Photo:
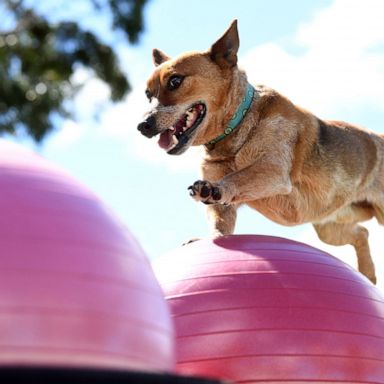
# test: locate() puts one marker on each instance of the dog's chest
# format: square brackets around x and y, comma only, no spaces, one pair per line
[280,209]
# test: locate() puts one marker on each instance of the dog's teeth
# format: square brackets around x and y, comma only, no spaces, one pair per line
[175,140]
[190,118]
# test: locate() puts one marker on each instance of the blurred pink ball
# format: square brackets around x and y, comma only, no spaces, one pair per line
[76,288]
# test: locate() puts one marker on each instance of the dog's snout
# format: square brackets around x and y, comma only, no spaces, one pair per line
[148,127]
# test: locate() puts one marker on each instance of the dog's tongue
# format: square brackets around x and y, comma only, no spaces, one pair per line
[165,139]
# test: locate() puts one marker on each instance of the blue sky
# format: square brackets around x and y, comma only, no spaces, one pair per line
[326,55]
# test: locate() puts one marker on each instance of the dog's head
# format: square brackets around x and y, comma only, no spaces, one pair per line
[189,92]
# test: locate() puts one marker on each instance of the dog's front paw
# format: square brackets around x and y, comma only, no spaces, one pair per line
[205,192]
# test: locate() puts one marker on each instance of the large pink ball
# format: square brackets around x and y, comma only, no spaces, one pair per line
[258,309]
[76,289]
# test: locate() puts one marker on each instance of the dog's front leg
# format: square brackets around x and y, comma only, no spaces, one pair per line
[252,183]
[222,219]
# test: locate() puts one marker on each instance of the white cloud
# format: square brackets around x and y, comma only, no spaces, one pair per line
[357,24]
[69,133]
[340,65]
[91,99]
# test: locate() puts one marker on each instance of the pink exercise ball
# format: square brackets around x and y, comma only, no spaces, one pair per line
[259,309]
[76,289]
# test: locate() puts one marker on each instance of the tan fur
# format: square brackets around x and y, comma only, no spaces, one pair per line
[281,160]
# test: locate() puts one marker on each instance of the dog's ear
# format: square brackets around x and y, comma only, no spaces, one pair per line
[224,51]
[159,57]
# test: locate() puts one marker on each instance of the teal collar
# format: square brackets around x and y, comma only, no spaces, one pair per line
[237,117]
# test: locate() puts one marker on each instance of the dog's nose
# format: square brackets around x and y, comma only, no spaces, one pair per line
[144,126]
[148,127]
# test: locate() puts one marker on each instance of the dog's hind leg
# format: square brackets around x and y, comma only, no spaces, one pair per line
[379,213]
[353,234]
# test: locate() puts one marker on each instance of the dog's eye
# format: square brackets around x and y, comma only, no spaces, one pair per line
[174,82]
[148,94]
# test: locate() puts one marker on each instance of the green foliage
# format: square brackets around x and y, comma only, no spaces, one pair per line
[38,58]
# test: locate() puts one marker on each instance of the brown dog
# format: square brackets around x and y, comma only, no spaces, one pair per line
[274,156]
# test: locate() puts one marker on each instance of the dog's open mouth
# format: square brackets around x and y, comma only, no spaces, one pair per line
[177,136]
